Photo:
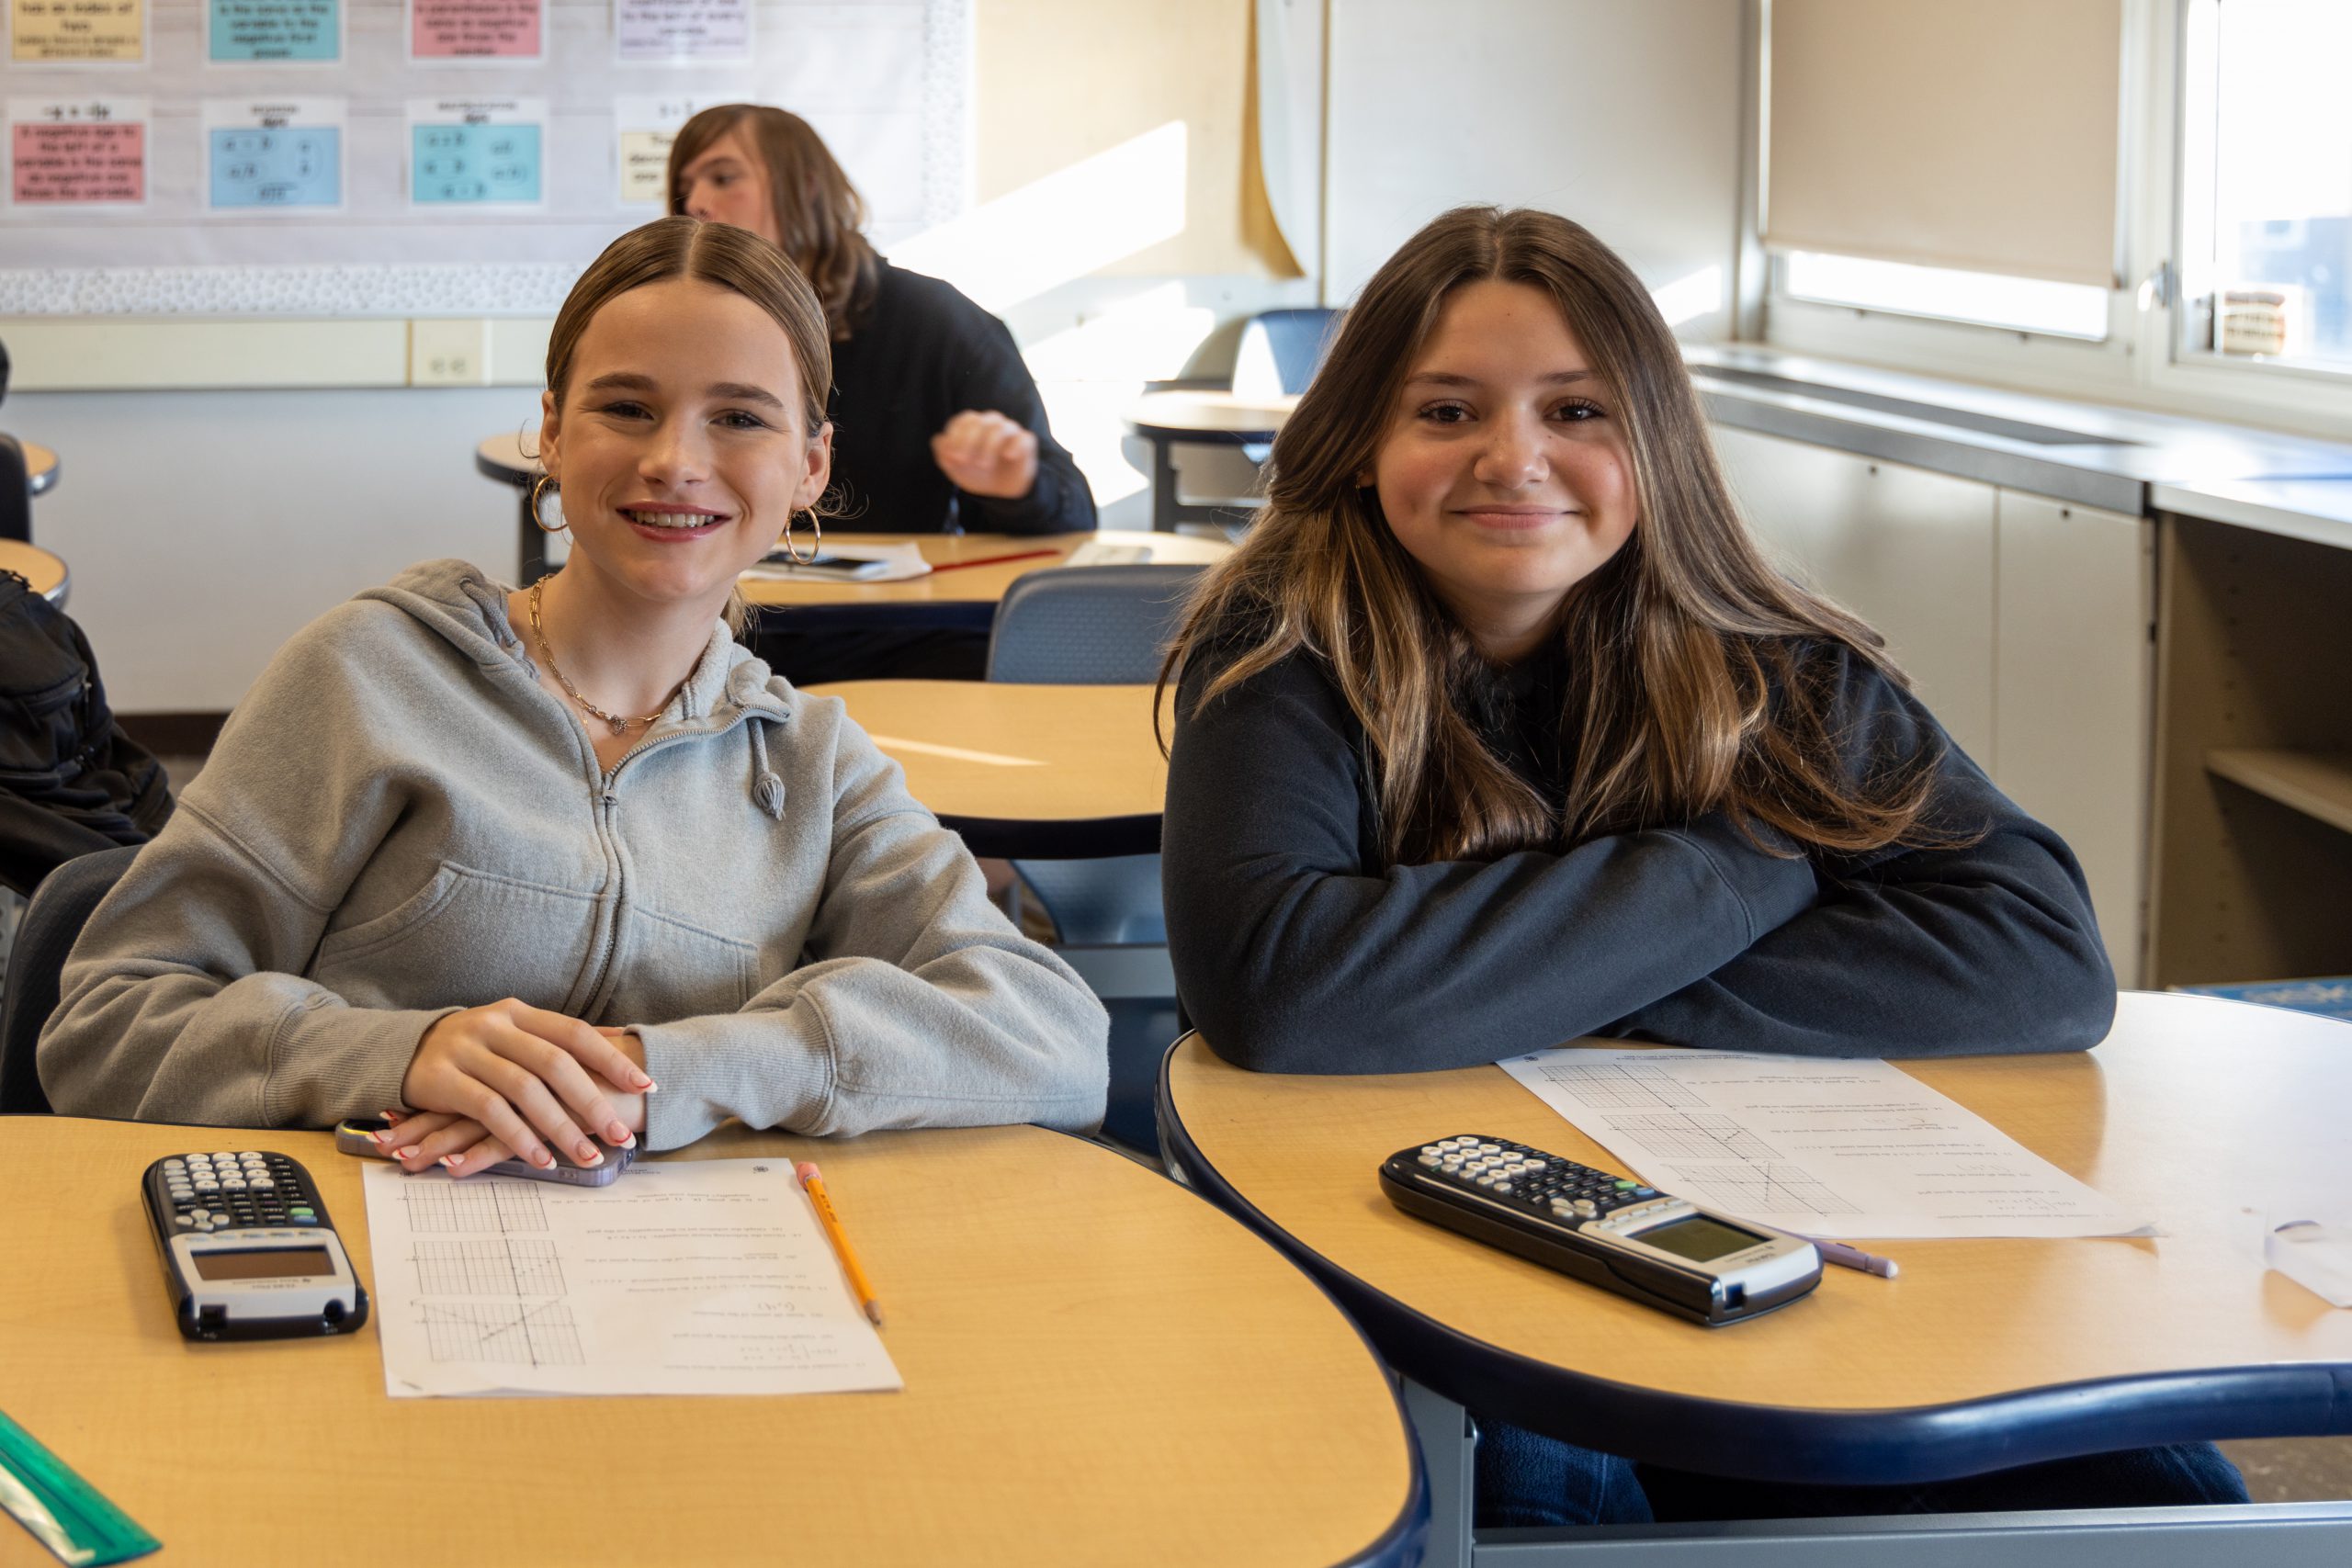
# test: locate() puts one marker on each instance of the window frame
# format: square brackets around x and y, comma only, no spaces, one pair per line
[2142,361]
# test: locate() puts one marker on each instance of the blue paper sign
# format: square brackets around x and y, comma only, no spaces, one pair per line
[462,165]
[293,167]
[244,30]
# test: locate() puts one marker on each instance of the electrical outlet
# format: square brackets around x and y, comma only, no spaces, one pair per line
[449,352]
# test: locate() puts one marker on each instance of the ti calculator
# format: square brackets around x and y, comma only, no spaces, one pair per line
[248,1250]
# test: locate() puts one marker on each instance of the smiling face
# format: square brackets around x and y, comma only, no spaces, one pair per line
[680,447]
[728,182]
[1504,470]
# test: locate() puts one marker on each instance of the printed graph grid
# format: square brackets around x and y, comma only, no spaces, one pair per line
[541,1336]
[502,1206]
[1695,1137]
[488,1269]
[1764,1188]
[1618,1087]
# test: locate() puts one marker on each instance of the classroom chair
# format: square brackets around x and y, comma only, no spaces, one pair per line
[44,936]
[1281,350]
[1103,625]
[1217,482]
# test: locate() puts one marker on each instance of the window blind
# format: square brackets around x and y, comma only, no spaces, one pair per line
[1982,135]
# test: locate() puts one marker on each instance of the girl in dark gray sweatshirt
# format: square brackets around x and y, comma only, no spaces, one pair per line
[1497,730]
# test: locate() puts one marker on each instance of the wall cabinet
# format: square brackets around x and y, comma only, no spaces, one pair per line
[2024,622]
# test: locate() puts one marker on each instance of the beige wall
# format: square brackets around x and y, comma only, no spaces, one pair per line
[1063,80]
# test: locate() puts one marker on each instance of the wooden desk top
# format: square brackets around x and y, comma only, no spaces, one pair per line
[1210,415]
[1098,1367]
[2198,1111]
[984,585]
[45,572]
[993,755]
[502,457]
[41,468]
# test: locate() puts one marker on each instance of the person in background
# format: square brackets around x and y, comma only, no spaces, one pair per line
[505,858]
[1499,731]
[937,425]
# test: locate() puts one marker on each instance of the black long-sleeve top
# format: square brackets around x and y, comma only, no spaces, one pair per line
[921,356]
[1297,950]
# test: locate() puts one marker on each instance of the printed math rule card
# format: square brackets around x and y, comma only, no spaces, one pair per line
[495,32]
[87,154]
[475,153]
[77,32]
[281,156]
[273,32]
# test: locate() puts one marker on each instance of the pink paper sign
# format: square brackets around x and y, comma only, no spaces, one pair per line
[474,29]
[85,163]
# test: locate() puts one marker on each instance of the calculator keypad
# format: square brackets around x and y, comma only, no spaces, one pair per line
[235,1191]
[1544,1183]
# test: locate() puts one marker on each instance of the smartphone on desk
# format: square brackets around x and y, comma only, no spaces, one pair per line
[353,1136]
[849,569]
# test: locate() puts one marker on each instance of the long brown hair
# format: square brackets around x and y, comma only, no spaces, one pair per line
[1688,690]
[819,214]
[710,252]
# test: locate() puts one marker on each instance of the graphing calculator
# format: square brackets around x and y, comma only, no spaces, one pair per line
[1607,1229]
[248,1250]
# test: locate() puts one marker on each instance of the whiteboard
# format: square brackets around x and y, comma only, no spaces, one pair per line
[311,187]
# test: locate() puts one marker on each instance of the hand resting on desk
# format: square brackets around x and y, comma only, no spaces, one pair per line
[486,1077]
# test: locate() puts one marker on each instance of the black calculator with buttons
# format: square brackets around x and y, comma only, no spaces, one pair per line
[1607,1229]
[248,1250]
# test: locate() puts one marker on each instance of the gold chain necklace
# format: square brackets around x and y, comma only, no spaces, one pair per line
[620,725]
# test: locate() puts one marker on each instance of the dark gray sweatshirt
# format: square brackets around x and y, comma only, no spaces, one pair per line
[1297,950]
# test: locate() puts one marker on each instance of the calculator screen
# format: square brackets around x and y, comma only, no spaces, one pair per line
[265,1263]
[1699,1239]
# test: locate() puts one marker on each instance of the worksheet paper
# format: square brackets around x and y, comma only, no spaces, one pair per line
[680,1277]
[1828,1148]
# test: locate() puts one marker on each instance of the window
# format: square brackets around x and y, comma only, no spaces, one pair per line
[2026,304]
[2267,182]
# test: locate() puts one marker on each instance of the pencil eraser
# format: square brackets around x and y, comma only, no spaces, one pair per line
[807,1170]
[2315,1254]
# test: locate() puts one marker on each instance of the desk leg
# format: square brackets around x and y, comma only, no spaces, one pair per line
[1449,1454]
[1166,509]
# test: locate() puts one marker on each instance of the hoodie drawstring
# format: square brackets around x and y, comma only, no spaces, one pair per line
[767,789]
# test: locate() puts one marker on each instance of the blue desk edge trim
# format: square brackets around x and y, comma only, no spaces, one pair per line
[1775,1443]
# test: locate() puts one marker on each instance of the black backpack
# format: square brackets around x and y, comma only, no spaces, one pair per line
[71,781]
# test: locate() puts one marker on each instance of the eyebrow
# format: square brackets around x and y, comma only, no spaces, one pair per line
[741,392]
[1447,379]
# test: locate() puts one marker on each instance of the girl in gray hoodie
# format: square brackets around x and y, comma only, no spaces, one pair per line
[509,859]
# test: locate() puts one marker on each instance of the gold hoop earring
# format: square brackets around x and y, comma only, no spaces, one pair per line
[538,495]
[816,526]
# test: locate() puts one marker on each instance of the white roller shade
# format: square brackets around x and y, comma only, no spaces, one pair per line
[1980,135]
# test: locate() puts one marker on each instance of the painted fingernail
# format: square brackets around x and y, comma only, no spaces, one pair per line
[644,1083]
[408,1152]
[588,1155]
[453,1161]
[541,1158]
[394,1117]
[615,1132]
[378,1139]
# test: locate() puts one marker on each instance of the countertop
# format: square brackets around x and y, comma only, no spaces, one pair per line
[2126,460]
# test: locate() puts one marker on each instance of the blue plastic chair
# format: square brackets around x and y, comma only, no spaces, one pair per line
[1103,625]
[51,921]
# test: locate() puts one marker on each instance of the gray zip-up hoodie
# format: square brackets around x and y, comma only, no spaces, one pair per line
[399,821]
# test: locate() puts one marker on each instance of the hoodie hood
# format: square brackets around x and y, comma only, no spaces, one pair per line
[467,608]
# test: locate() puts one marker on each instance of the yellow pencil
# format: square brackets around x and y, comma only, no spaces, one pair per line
[858,1283]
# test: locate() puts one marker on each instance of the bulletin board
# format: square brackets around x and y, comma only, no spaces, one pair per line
[424,157]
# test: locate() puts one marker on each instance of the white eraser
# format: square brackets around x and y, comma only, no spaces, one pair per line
[2314,1253]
